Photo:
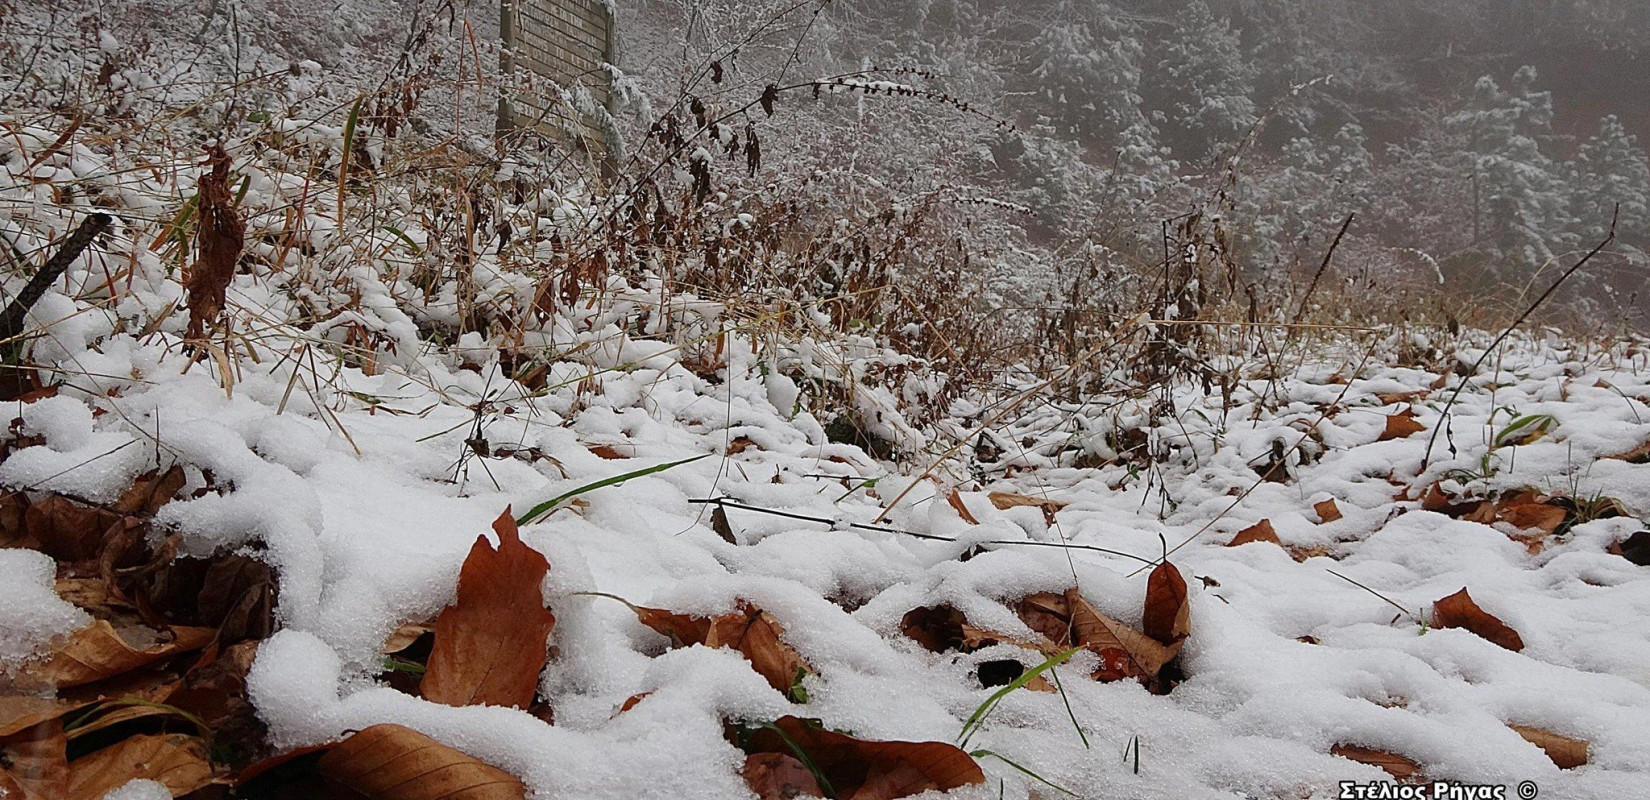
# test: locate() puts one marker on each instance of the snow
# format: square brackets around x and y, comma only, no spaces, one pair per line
[341,450]
[35,615]
[368,530]
[140,790]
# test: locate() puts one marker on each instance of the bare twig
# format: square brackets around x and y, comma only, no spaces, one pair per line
[1615,216]
[11,320]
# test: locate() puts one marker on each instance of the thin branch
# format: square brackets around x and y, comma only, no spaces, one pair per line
[1615,216]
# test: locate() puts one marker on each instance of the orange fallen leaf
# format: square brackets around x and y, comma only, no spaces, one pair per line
[101,650]
[861,769]
[178,761]
[1259,532]
[752,632]
[1401,769]
[1327,511]
[1401,425]
[1533,516]
[956,501]
[1168,610]
[490,645]
[740,445]
[606,451]
[391,762]
[1459,611]
[1565,752]
[777,776]
[1008,500]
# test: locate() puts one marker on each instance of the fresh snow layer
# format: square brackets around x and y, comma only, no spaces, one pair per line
[368,531]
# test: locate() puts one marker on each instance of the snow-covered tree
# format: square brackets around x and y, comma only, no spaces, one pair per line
[1610,169]
[1200,87]
[1521,200]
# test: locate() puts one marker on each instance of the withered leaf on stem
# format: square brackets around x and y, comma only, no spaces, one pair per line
[490,645]
[859,769]
[219,236]
[1459,611]
[391,762]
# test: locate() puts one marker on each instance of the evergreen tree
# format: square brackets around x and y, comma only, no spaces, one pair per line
[1521,202]
[1610,169]
[1200,86]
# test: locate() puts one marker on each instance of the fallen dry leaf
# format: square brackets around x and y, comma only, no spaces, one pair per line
[1401,425]
[1635,548]
[1327,511]
[1401,769]
[607,451]
[1069,620]
[1533,516]
[151,491]
[777,776]
[490,645]
[1394,398]
[956,501]
[1124,652]
[1168,610]
[859,769]
[100,650]
[1007,500]
[1565,752]
[1459,611]
[1259,532]
[178,761]
[35,760]
[391,762]
[752,632]
[1434,498]
[941,628]
[740,445]
[1637,455]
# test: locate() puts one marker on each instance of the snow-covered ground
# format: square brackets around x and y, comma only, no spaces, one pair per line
[350,486]
[344,451]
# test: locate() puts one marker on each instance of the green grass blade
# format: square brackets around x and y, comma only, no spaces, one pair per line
[550,505]
[1040,779]
[978,717]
